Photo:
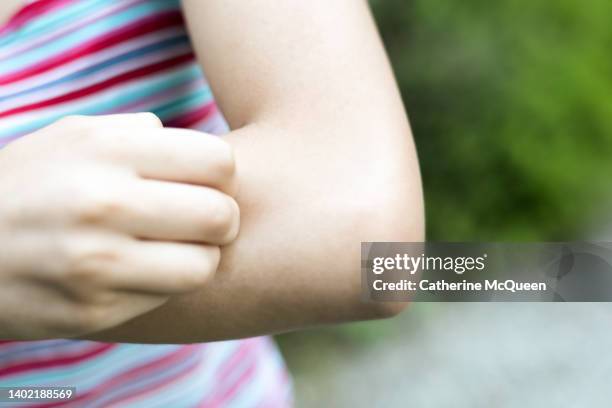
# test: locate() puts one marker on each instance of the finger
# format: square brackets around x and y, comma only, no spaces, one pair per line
[106,311]
[170,154]
[67,315]
[127,305]
[167,211]
[164,267]
[118,122]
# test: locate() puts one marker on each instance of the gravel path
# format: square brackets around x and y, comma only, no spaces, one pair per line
[493,355]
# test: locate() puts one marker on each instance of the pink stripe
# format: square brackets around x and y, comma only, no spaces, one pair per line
[70,29]
[142,393]
[230,365]
[125,377]
[139,106]
[136,29]
[56,361]
[31,11]
[231,391]
[99,87]
[247,349]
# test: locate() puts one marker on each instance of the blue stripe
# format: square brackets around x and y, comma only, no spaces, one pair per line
[91,373]
[91,31]
[185,393]
[28,347]
[19,346]
[88,374]
[252,392]
[215,354]
[266,379]
[143,382]
[170,110]
[144,90]
[62,17]
[156,47]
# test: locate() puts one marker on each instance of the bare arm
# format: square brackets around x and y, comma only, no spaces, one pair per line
[324,158]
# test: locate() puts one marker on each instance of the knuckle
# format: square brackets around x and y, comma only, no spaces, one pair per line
[223,219]
[195,279]
[89,318]
[100,140]
[87,263]
[224,163]
[78,319]
[212,258]
[104,298]
[204,269]
[63,326]
[83,274]
[234,226]
[96,207]
[96,136]
[150,119]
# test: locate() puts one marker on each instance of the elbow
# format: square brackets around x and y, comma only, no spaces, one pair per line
[390,197]
[395,223]
[392,212]
[386,310]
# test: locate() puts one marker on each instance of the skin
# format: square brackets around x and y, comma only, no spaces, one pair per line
[324,159]
[112,230]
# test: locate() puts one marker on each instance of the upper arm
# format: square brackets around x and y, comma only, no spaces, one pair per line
[294,61]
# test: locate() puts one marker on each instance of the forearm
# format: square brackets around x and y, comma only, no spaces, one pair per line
[325,160]
[296,262]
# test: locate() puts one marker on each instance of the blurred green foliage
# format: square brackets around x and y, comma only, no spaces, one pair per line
[511,108]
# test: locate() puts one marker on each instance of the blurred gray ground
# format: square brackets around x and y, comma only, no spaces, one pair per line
[461,355]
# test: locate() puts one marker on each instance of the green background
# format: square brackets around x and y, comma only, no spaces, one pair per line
[511,109]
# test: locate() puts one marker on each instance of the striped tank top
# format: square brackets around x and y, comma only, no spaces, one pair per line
[98,57]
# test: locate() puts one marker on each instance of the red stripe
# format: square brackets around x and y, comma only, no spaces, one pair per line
[230,392]
[228,368]
[125,377]
[80,93]
[247,350]
[55,361]
[138,28]
[150,388]
[30,11]
[190,118]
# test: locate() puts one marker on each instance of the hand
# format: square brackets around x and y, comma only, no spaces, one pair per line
[103,218]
